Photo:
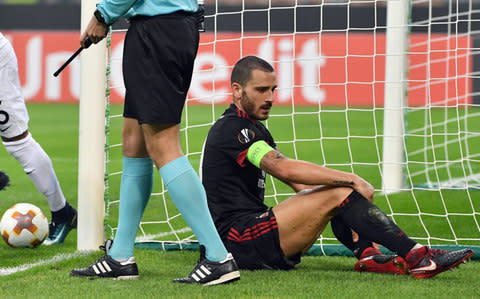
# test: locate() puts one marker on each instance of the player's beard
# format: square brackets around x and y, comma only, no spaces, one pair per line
[250,108]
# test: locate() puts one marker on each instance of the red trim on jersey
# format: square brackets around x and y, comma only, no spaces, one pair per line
[242,114]
[242,156]
[253,232]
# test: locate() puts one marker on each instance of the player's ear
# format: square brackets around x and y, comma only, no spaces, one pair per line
[236,90]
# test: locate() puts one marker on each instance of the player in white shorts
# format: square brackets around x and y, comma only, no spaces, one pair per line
[20,144]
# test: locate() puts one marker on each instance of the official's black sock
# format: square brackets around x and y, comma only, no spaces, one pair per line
[372,224]
[343,234]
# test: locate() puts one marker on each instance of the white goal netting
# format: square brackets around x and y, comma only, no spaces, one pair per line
[330,58]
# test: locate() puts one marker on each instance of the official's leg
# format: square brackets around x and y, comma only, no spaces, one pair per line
[162,142]
[184,186]
[303,217]
[135,189]
[156,89]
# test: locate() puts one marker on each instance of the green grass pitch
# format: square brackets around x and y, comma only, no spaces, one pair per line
[44,272]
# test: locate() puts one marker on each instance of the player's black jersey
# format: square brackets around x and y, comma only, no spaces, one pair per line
[234,186]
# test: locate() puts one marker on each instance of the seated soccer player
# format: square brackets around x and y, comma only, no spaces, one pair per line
[239,151]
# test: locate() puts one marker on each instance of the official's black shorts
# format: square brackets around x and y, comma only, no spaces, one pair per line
[255,244]
[158,61]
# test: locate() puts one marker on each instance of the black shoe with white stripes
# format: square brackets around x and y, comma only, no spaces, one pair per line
[106,267]
[211,273]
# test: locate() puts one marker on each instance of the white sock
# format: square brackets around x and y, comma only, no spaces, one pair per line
[39,168]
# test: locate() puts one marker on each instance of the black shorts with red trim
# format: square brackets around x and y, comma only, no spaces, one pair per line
[254,242]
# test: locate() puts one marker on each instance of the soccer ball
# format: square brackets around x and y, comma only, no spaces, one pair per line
[24,225]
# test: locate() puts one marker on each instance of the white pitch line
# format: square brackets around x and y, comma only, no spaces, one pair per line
[163,234]
[12,270]
[57,258]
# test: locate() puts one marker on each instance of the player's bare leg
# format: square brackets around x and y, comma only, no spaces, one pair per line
[371,223]
[303,217]
[370,259]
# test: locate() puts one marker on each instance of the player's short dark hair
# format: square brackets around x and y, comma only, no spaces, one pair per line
[242,71]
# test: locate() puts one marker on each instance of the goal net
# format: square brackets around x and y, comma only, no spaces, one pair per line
[394,99]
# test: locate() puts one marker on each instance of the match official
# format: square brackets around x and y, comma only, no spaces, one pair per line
[159,51]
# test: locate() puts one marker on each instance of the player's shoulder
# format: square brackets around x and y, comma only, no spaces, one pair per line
[232,119]
[227,126]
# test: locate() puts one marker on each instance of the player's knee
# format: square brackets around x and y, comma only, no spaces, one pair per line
[341,193]
[330,198]
[29,154]
[14,147]
[133,146]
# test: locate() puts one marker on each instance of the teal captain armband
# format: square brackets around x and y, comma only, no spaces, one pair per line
[256,152]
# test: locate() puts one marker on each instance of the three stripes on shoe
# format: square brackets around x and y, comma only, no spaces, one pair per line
[101,267]
[200,273]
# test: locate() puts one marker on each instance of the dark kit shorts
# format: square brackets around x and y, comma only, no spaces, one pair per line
[254,242]
[158,58]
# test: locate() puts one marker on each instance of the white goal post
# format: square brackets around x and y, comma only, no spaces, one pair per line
[91,161]
[395,96]
[388,89]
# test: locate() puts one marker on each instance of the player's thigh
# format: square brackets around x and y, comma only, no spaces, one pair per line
[302,217]
[13,112]
[307,204]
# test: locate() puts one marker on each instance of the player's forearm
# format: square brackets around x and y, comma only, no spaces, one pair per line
[298,187]
[306,173]
[297,172]
[302,172]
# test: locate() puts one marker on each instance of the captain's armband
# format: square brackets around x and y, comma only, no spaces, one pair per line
[257,151]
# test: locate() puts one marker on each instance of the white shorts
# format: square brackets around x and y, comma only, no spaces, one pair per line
[13,112]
